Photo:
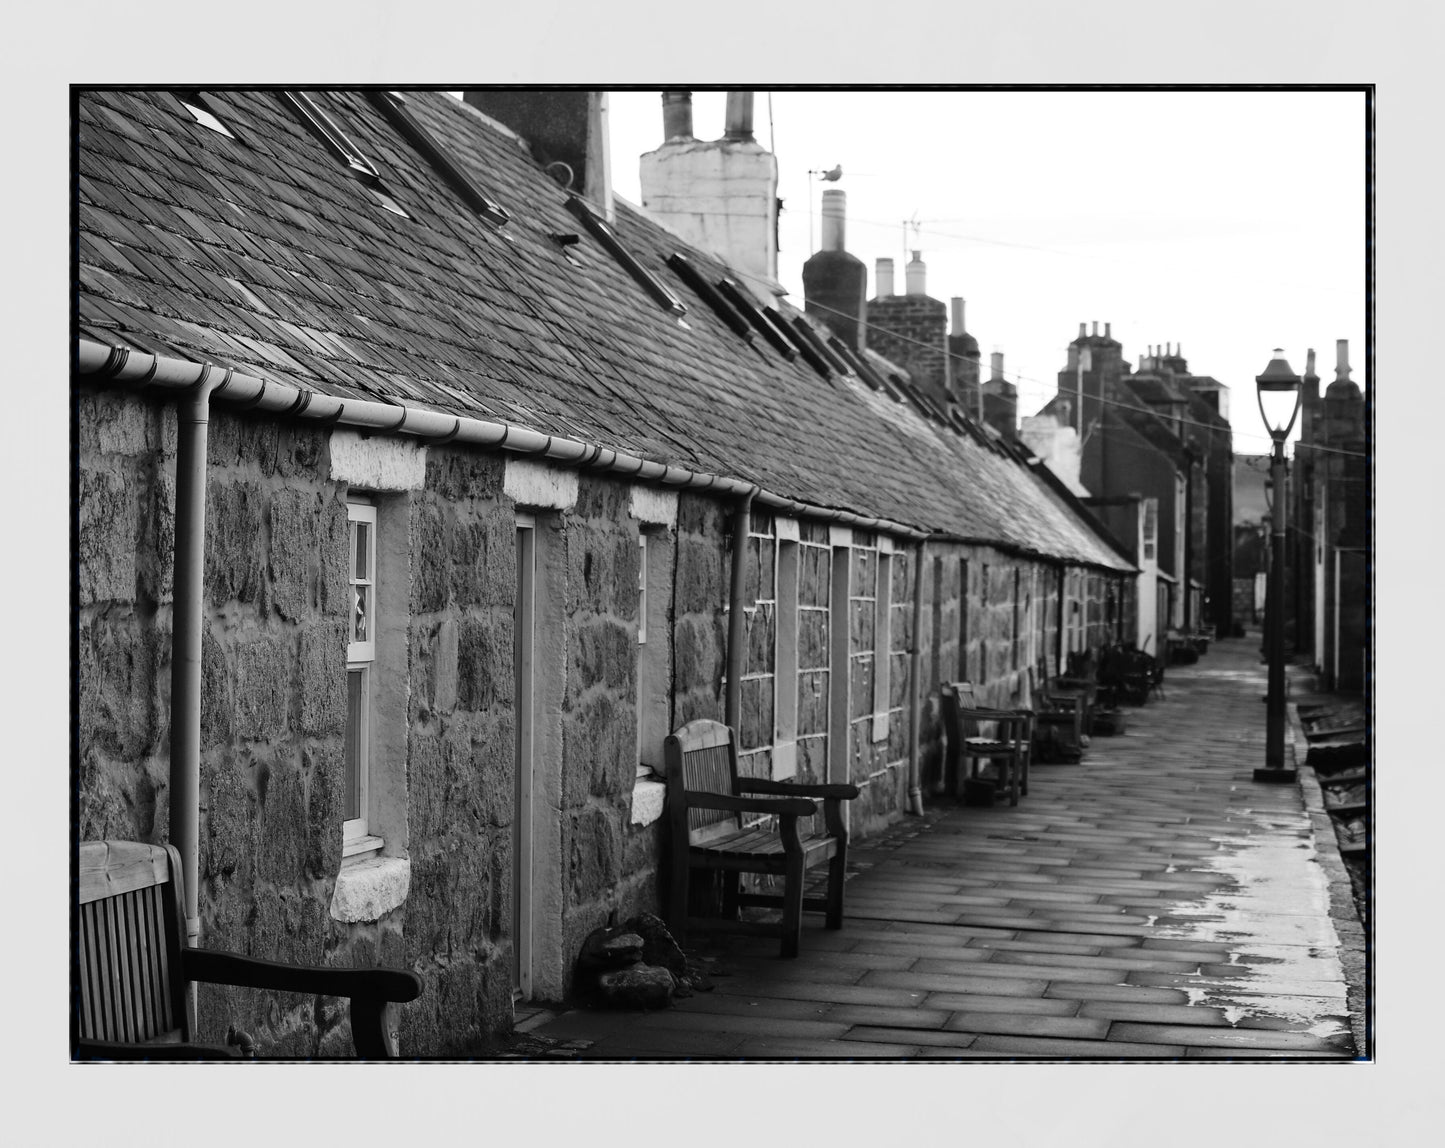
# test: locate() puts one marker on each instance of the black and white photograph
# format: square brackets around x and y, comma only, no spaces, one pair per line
[639,589]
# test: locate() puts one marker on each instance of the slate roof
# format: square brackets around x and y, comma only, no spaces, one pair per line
[267,256]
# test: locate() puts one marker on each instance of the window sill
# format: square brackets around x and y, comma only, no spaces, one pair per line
[361,847]
[367,888]
[648,797]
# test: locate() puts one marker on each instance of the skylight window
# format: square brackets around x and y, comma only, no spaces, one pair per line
[693,278]
[339,144]
[203,113]
[333,137]
[769,330]
[602,231]
[392,105]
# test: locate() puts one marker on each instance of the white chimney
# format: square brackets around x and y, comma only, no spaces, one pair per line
[1096,327]
[883,278]
[996,366]
[834,203]
[1342,360]
[721,195]
[1108,330]
[957,317]
[913,275]
[1309,362]
[1083,330]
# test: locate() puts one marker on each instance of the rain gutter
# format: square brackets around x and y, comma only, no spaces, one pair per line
[192,423]
[247,392]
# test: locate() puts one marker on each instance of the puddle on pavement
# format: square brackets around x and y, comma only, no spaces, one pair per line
[1272,910]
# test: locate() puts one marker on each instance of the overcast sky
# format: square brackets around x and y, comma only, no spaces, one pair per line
[1228,222]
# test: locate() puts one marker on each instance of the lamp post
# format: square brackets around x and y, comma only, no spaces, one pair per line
[1279,395]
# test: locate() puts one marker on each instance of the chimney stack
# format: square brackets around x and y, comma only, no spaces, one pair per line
[883,278]
[561,127]
[996,367]
[956,318]
[913,275]
[834,203]
[835,284]
[720,195]
[739,116]
[677,115]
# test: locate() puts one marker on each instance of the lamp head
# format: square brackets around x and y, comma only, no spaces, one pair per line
[1278,389]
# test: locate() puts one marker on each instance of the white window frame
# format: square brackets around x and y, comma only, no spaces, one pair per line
[356,837]
[882,636]
[642,588]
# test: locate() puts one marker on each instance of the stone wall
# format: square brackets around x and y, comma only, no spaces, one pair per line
[272,708]
[460,755]
[274,701]
[609,865]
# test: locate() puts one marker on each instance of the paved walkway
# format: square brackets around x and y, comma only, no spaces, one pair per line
[1152,901]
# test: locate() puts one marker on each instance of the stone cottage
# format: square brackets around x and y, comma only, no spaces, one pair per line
[422,487]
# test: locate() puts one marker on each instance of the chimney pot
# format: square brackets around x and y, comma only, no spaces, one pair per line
[957,316]
[914,274]
[1096,327]
[1310,362]
[1342,360]
[883,278]
[1083,330]
[740,116]
[1108,330]
[677,116]
[996,366]
[834,213]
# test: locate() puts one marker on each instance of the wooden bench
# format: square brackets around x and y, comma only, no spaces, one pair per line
[131,973]
[707,805]
[1058,720]
[1001,739]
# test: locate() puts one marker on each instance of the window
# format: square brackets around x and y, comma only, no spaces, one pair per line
[339,144]
[641,589]
[1151,529]
[785,657]
[360,663]
[882,638]
[393,106]
[602,231]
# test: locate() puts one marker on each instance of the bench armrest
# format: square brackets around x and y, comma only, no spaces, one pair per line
[835,791]
[787,806]
[370,990]
[218,967]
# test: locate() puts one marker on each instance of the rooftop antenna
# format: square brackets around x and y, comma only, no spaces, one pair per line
[832,175]
[917,226]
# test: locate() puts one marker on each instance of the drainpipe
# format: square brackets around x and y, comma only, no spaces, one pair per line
[737,655]
[192,419]
[915,694]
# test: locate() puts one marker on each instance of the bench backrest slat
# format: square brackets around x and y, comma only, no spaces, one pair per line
[700,758]
[128,943]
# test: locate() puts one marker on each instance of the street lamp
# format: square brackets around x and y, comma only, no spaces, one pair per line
[1279,396]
